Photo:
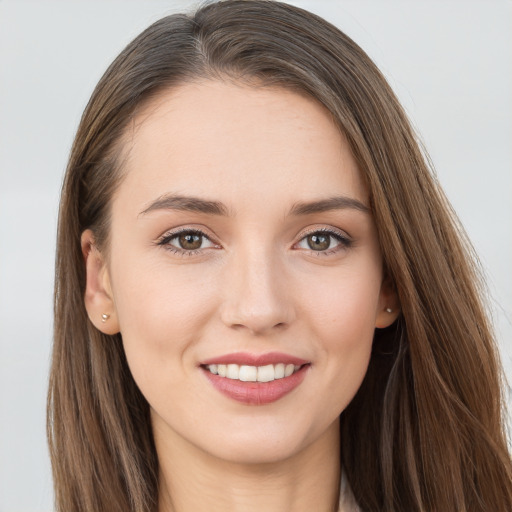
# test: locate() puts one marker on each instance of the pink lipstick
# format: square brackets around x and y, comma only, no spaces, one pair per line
[255,379]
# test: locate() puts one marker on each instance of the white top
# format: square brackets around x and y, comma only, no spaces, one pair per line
[347,500]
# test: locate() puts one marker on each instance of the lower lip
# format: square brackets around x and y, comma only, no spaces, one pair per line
[257,393]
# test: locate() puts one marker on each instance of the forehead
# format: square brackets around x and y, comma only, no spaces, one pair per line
[227,141]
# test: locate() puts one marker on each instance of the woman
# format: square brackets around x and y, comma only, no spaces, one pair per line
[261,291]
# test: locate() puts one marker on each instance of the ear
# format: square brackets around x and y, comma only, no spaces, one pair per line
[389,305]
[99,301]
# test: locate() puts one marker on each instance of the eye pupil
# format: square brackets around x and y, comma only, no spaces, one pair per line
[319,242]
[190,241]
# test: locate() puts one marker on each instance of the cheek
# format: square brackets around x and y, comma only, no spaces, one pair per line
[344,303]
[161,314]
[342,314]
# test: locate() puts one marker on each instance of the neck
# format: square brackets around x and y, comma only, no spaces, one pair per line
[191,479]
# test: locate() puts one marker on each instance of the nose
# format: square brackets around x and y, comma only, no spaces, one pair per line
[256,294]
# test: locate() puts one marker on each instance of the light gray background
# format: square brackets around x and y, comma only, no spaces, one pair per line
[449,61]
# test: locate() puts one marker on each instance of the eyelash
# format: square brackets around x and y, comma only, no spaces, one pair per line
[342,239]
[167,238]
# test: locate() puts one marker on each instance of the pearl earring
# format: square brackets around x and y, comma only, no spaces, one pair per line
[104,317]
[389,310]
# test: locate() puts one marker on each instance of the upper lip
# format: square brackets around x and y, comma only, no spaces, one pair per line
[247,359]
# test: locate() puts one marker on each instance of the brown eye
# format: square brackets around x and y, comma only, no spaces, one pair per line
[187,242]
[318,242]
[190,241]
[325,242]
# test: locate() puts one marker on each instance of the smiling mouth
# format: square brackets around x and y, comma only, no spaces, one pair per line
[255,379]
[246,373]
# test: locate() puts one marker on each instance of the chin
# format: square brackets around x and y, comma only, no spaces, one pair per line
[273,444]
[255,452]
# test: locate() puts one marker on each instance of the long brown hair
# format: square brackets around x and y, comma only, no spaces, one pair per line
[425,431]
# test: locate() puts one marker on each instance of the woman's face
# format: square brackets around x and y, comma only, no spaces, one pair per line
[242,250]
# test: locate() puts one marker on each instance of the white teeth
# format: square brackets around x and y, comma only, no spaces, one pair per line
[266,373]
[279,371]
[247,373]
[232,371]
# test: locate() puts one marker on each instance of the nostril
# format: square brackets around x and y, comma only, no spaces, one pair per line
[256,309]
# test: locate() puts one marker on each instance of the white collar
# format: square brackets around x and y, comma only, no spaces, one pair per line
[347,500]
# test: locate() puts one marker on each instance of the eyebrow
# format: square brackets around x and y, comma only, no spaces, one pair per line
[332,203]
[186,203]
[195,204]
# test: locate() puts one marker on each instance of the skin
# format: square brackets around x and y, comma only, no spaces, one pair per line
[253,285]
